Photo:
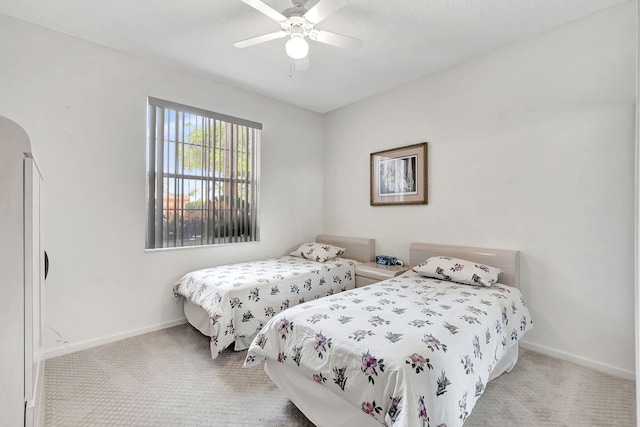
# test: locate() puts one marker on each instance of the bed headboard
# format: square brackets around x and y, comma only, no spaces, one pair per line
[359,248]
[505,259]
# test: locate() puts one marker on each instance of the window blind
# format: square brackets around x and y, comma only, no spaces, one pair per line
[203,177]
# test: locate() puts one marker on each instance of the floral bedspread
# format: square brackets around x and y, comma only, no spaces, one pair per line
[409,351]
[240,298]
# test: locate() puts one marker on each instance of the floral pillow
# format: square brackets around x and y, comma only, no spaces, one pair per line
[318,251]
[458,270]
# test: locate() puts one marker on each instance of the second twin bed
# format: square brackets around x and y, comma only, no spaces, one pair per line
[414,350]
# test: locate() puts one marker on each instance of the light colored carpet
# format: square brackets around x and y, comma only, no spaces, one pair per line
[167,378]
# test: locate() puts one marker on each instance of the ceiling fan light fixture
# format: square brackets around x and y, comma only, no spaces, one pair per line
[297,47]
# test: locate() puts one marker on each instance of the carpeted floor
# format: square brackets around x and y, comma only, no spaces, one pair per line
[167,378]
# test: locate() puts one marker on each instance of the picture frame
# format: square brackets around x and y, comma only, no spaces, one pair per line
[399,176]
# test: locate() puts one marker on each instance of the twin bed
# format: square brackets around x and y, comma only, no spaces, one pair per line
[408,351]
[414,350]
[230,303]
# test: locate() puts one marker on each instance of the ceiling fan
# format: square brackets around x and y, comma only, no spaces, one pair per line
[297,23]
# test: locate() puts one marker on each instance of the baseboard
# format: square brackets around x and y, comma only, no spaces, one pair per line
[72,348]
[607,369]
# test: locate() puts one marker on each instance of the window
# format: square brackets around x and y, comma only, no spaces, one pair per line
[202,177]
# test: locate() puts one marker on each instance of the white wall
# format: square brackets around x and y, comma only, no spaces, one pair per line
[84,108]
[530,148]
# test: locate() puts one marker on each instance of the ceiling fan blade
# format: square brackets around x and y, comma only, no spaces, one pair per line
[260,39]
[266,9]
[322,9]
[302,64]
[335,39]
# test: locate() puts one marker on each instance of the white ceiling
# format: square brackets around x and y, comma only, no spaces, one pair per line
[403,39]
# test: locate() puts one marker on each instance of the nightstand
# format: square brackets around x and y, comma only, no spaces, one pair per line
[370,272]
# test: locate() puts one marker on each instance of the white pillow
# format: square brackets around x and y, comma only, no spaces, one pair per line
[458,270]
[318,251]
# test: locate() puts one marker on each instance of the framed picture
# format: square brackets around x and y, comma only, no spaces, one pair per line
[399,176]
